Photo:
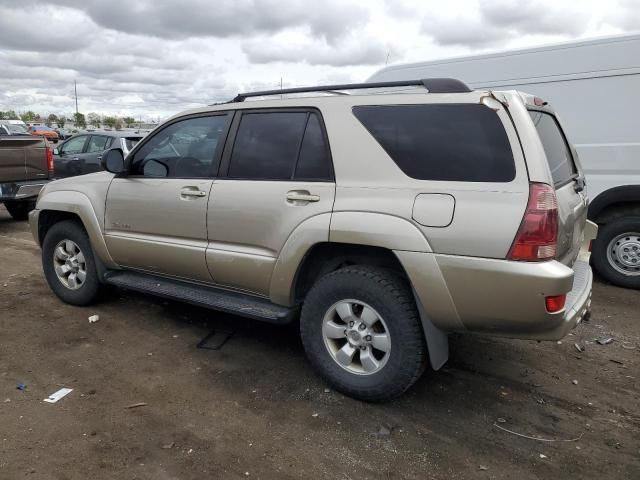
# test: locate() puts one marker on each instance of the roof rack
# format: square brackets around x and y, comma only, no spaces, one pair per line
[433,85]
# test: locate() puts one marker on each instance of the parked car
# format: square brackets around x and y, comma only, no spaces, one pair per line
[384,220]
[12,128]
[44,131]
[83,152]
[63,134]
[594,84]
[26,164]
[14,122]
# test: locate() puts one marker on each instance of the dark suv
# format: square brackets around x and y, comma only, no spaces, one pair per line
[82,153]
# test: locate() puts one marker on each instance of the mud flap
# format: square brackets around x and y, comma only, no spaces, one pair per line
[437,340]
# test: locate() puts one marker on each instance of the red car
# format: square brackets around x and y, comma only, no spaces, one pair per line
[46,132]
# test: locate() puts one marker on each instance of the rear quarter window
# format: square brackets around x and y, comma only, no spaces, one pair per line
[447,142]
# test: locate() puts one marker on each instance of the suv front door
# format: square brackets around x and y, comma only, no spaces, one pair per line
[276,173]
[156,215]
[69,156]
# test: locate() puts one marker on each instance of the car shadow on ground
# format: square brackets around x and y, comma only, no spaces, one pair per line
[485,363]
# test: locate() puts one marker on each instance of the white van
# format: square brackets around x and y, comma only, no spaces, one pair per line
[594,85]
[16,122]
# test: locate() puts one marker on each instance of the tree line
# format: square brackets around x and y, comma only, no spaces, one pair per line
[79,120]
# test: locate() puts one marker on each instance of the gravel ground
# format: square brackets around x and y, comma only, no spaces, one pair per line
[255,409]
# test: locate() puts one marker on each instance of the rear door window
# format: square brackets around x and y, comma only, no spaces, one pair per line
[281,146]
[313,162]
[98,143]
[447,142]
[555,147]
[266,145]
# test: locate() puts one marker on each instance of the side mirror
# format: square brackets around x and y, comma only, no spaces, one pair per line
[113,161]
[56,151]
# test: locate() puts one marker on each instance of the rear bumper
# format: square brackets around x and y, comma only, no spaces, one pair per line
[578,303]
[501,297]
[20,190]
[505,298]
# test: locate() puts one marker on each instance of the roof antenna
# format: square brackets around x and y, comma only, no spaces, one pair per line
[280,87]
[386,62]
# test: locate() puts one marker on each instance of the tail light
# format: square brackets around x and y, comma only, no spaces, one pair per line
[49,160]
[537,238]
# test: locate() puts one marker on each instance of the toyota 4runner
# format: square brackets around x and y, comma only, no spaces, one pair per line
[383,216]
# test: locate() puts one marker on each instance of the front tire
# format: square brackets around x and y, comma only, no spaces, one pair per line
[69,265]
[361,331]
[19,210]
[616,252]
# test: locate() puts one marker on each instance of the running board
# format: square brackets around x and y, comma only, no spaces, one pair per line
[207,297]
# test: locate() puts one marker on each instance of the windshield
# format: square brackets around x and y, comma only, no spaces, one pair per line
[131,142]
[16,128]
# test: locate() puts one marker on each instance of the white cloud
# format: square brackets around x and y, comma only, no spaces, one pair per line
[354,50]
[156,57]
[492,23]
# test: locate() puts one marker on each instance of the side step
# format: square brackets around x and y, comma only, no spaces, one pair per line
[208,297]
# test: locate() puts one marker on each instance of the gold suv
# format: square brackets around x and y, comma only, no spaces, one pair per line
[382,216]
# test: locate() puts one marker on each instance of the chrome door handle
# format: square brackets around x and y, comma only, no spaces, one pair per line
[302,196]
[190,192]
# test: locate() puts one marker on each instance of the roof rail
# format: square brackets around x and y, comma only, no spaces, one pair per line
[433,85]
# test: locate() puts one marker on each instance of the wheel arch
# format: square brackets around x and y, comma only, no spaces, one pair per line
[326,257]
[64,205]
[372,233]
[615,202]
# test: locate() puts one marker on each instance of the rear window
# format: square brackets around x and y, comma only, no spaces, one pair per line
[453,142]
[555,147]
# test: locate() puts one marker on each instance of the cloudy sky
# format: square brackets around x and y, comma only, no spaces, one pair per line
[152,58]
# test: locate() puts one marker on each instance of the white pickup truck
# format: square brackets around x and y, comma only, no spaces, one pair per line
[594,85]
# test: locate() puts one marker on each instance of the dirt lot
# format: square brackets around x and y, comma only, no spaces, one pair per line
[255,409]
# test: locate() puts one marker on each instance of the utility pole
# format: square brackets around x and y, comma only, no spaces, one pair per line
[75,89]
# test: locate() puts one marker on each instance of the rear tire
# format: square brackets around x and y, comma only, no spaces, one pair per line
[611,260]
[335,319]
[19,209]
[69,265]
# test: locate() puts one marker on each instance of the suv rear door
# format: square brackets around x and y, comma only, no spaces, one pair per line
[90,160]
[276,173]
[568,182]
